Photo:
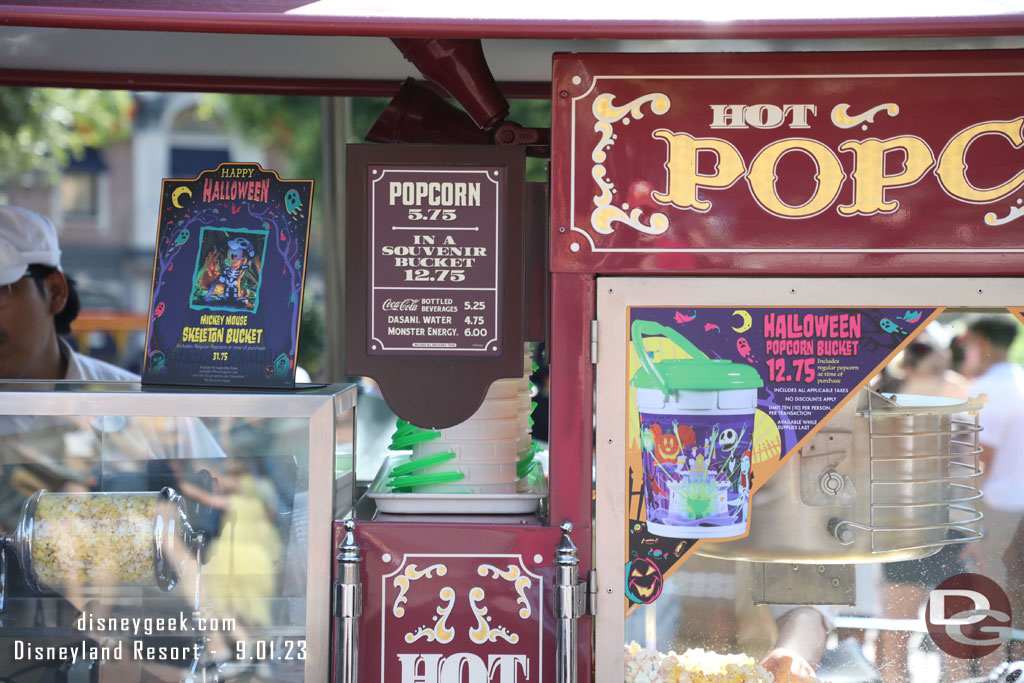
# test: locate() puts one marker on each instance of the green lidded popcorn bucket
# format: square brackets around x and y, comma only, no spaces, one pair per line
[696,431]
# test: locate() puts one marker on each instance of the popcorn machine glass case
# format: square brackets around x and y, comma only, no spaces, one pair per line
[770,443]
[154,535]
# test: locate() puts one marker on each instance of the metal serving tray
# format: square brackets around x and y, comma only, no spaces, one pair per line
[450,503]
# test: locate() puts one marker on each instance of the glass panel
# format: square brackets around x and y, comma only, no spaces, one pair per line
[848,543]
[161,541]
[344,463]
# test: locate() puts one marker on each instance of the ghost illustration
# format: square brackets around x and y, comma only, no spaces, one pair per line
[292,202]
[891,327]
[159,310]
[182,237]
[745,351]
[281,365]
[157,362]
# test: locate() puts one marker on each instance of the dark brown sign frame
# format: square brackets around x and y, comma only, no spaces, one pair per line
[443,385]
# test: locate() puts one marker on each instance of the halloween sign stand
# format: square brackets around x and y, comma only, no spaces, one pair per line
[228,279]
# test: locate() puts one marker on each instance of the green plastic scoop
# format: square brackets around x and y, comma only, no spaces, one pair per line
[410,480]
[421,463]
[401,443]
[402,427]
[524,463]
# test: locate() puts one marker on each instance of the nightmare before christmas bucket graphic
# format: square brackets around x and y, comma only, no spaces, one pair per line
[696,430]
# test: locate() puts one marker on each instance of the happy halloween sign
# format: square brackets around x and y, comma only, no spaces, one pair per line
[228,279]
[703,158]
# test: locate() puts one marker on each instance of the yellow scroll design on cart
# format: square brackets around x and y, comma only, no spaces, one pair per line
[403,582]
[605,213]
[439,631]
[483,632]
[513,575]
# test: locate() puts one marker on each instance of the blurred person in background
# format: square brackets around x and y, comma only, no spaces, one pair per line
[922,369]
[986,359]
[38,303]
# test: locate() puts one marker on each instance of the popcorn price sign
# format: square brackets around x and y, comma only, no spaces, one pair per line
[435,289]
[434,260]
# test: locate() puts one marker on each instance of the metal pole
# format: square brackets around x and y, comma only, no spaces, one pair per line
[569,597]
[334,124]
[347,607]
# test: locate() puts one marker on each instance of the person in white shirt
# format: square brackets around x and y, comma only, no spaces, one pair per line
[1002,420]
[986,358]
[38,303]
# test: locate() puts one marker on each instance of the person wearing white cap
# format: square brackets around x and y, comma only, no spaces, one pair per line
[37,305]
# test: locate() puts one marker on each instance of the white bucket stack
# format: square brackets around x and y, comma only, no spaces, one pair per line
[489,445]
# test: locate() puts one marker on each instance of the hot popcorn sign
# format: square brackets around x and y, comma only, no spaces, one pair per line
[455,618]
[684,154]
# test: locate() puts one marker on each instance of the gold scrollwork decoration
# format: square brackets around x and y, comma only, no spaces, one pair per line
[607,114]
[439,632]
[483,633]
[519,581]
[404,581]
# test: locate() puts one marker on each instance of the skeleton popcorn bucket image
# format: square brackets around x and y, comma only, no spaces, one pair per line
[696,420]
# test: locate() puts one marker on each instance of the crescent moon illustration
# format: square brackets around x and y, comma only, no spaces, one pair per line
[747,321]
[178,191]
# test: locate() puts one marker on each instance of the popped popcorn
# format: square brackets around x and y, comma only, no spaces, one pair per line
[91,539]
[693,666]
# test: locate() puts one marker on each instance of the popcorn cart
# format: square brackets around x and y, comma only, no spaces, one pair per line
[744,232]
[752,467]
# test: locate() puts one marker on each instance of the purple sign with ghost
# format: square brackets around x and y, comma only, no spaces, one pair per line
[228,279]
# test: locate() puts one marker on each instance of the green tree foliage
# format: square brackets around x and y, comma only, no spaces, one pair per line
[287,123]
[532,114]
[42,129]
[364,113]
[292,124]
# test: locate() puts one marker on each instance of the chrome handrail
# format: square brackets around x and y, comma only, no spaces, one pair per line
[570,598]
[951,479]
[347,607]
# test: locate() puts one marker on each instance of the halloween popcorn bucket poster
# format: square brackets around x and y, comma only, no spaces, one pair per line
[717,399]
